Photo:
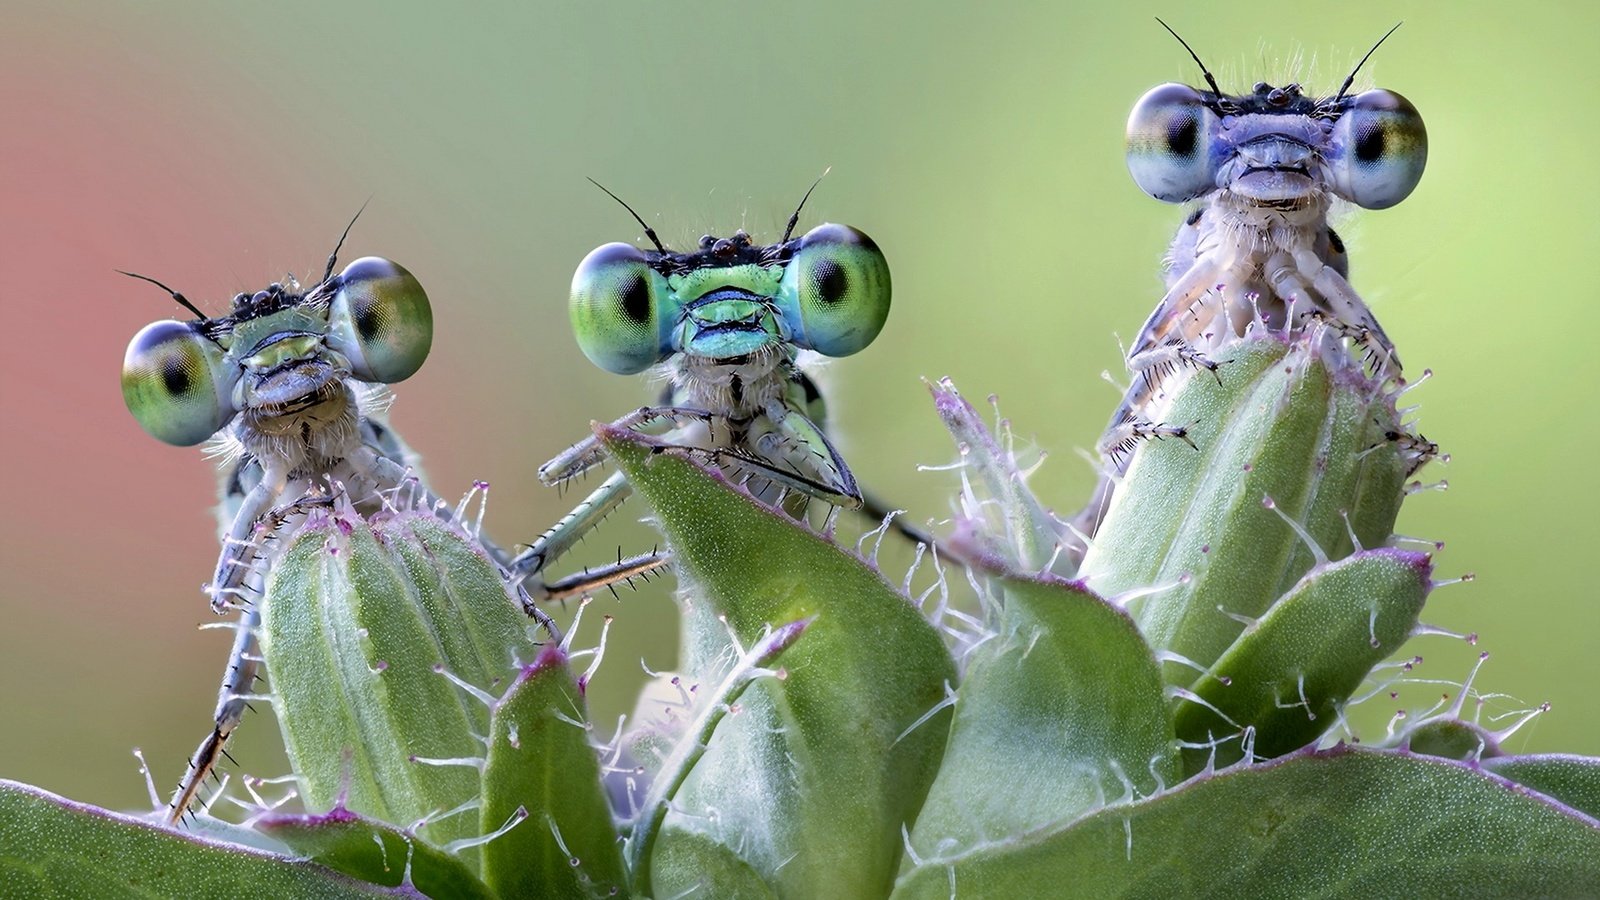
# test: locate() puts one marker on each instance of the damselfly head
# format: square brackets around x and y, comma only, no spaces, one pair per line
[729,300]
[1275,146]
[278,349]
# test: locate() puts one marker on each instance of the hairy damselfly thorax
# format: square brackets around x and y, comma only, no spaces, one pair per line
[723,325]
[289,386]
[1262,170]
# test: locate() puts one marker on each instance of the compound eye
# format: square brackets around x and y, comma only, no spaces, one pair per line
[1379,149]
[618,309]
[176,383]
[835,291]
[1170,133]
[380,320]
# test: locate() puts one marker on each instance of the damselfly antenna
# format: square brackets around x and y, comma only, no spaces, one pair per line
[648,231]
[182,300]
[795,219]
[1196,57]
[1351,79]
[334,256]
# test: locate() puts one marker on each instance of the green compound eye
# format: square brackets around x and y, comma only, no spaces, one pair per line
[835,292]
[176,384]
[380,320]
[1169,143]
[617,310]
[1380,150]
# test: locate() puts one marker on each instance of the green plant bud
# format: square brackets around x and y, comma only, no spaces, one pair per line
[1287,675]
[1279,422]
[542,769]
[362,623]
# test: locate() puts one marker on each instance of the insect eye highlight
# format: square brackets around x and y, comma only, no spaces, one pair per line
[380,320]
[836,291]
[1169,143]
[1380,149]
[176,383]
[617,309]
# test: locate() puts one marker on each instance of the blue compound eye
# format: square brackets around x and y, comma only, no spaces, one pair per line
[176,383]
[380,320]
[1169,143]
[1379,150]
[835,291]
[618,309]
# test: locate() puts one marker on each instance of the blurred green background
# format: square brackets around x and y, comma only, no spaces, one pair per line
[218,146]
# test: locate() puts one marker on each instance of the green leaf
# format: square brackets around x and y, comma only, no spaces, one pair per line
[1342,823]
[53,847]
[1061,712]
[376,852]
[542,767]
[1280,425]
[841,723]
[1288,673]
[691,858]
[358,625]
[713,707]
[1573,780]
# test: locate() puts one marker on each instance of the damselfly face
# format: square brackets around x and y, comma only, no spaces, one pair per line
[725,322]
[1257,249]
[1276,147]
[1266,167]
[278,352]
[730,301]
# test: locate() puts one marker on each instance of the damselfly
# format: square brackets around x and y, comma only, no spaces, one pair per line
[1265,169]
[724,324]
[289,387]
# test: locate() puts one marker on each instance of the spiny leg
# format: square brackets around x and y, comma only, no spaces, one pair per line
[1163,341]
[243,669]
[1119,442]
[1179,300]
[572,527]
[241,546]
[587,453]
[1116,449]
[1150,369]
[1338,292]
[589,581]
[1288,276]
[560,537]
[244,659]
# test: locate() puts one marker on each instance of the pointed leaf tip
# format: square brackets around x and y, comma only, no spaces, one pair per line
[550,656]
